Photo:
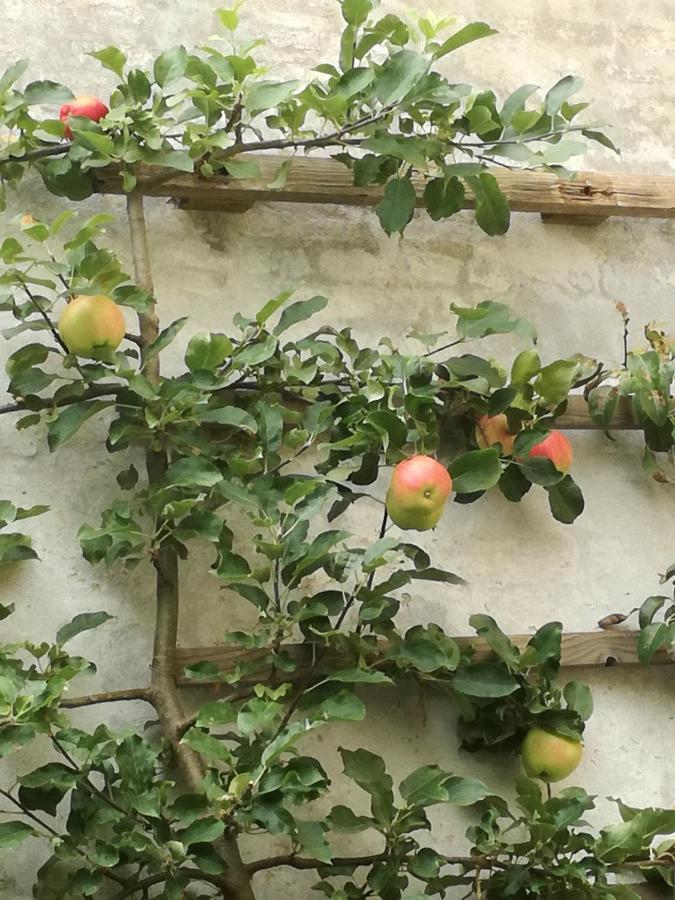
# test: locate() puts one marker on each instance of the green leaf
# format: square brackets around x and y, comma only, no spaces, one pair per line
[649,609]
[492,208]
[399,75]
[12,74]
[443,197]
[424,786]
[163,340]
[651,638]
[92,140]
[566,500]
[633,837]
[475,31]
[477,470]
[488,318]
[299,312]
[111,58]
[560,92]
[80,623]
[193,471]
[206,744]
[397,207]
[229,18]
[556,380]
[15,548]
[515,102]
[484,680]
[600,138]
[343,819]
[264,95]
[46,92]
[242,168]
[487,628]
[14,833]
[540,470]
[219,712]
[360,676]
[173,159]
[231,416]
[170,66]
[231,566]
[355,12]
[207,351]
[579,698]
[71,419]
[204,830]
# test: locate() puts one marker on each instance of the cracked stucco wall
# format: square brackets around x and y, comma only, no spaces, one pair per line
[522,567]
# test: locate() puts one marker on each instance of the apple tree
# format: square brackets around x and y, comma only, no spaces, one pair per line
[276,428]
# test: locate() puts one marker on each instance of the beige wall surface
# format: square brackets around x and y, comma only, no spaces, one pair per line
[521,566]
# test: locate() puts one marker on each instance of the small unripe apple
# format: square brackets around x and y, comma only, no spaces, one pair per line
[557,448]
[92,326]
[491,430]
[86,106]
[420,487]
[550,756]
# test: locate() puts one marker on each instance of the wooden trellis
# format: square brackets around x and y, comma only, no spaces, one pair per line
[588,199]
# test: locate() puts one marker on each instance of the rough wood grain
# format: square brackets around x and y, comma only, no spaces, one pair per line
[588,649]
[589,196]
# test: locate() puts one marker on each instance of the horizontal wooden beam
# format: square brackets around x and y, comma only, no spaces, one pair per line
[589,197]
[588,649]
[578,418]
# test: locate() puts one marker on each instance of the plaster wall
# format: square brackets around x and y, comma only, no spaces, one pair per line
[521,566]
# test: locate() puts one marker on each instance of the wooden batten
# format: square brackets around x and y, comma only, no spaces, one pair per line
[595,649]
[590,197]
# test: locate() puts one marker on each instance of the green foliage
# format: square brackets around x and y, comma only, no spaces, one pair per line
[657,622]
[197,110]
[645,384]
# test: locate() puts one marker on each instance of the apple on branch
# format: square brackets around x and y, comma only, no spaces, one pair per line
[557,448]
[492,430]
[86,107]
[420,487]
[550,756]
[92,326]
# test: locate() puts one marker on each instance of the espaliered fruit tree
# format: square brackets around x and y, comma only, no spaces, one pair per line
[259,433]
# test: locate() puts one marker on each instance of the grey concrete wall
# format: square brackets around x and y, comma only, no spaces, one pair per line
[522,567]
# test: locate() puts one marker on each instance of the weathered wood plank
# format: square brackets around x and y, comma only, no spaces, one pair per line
[578,418]
[320,180]
[587,649]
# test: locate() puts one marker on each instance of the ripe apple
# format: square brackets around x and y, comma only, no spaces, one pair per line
[557,448]
[92,326]
[550,756]
[420,487]
[491,430]
[86,106]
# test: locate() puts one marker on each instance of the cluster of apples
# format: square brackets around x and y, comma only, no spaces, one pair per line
[420,486]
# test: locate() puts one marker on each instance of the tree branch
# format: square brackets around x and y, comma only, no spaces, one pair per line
[144,694]
[92,393]
[39,153]
[235,884]
[292,861]
[152,880]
